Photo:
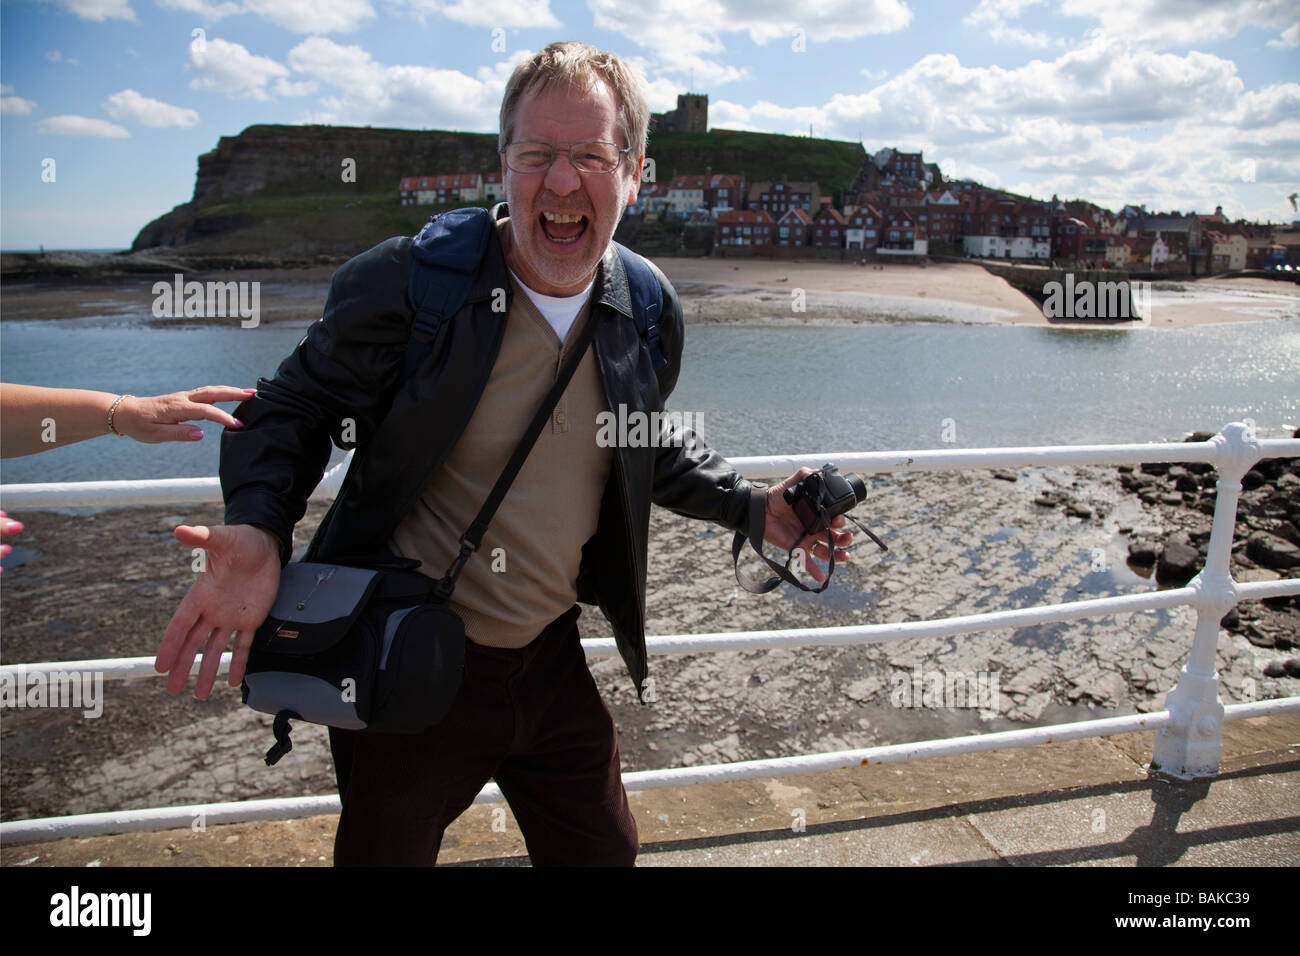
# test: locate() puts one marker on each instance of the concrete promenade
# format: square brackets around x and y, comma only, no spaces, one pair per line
[1076,803]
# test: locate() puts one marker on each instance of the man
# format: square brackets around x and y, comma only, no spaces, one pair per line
[573,526]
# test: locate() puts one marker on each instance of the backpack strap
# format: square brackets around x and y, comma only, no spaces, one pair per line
[647,301]
[445,257]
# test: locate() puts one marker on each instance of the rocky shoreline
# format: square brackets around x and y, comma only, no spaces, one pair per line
[1266,543]
[104,584]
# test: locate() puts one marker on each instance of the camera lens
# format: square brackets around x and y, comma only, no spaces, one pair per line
[858,485]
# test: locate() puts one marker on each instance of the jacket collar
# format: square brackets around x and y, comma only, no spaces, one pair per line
[611,287]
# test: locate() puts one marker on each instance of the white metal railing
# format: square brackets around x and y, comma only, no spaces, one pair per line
[1189,731]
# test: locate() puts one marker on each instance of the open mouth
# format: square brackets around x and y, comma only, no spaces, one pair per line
[562,228]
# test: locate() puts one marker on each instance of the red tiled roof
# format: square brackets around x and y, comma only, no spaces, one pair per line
[750,216]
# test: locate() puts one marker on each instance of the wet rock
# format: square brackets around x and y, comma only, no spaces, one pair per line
[1169,498]
[1155,467]
[1188,483]
[1271,551]
[1004,475]
[1105,687]
[1288,530]
[1050,499]
[1026,681]
[1292,666]
[1136,481]
[1274,669]
[865,689]
[1251,480]
[1076,510]
[1142,551]
[1199,436]
[1231,620]
[1179,560]
[1259,637]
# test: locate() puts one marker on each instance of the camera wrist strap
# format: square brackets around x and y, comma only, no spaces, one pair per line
[757,527]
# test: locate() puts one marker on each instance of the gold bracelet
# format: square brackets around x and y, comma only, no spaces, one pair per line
[111,410]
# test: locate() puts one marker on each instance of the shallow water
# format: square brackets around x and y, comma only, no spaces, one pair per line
[761,390]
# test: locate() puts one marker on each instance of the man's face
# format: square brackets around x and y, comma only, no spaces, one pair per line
[560,258]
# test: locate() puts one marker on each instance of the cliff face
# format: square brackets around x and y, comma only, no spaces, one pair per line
[285,161]
[308,159]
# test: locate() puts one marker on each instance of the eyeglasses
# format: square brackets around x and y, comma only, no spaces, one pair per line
[593,157]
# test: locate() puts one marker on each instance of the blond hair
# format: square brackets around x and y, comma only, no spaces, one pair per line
[572,66]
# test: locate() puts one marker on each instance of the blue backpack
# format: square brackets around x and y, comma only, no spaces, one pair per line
[445,260]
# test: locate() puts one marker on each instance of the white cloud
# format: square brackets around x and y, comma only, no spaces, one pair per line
[297,16]
[1005,34]
[1099,83]
[314,16]
[210,12]
[283,87]
[128,106]
[225,67]
[1103,122]
[996,11]
[1290,38]
[533,14]
[1178,23]
[11,105]
[98,11]
[80,126]
[54,56]
[371,93]
[685,36]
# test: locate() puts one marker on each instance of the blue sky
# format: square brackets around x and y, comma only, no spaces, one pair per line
[1173,103]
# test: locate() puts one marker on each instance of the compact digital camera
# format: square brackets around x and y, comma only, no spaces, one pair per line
[818,498]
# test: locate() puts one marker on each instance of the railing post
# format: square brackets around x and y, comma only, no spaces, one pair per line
[1192,744]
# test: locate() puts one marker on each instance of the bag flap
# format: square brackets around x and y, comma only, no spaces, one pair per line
[314,607]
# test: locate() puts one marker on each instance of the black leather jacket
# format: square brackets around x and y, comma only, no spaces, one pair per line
[344,381]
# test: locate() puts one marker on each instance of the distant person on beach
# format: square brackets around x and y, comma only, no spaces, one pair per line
[35,419]
[573,527]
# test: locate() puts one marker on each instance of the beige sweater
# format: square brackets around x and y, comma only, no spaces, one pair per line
[525,574]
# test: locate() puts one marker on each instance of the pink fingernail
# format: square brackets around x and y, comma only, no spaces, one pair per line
[196,433]
[239,423]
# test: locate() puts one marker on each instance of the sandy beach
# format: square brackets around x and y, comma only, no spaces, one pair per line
[728,290]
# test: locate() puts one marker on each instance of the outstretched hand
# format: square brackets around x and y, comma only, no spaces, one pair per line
[157,419]
[785,530]
[230,599]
